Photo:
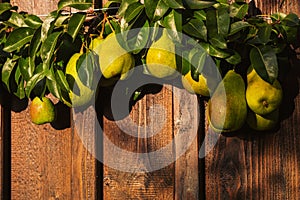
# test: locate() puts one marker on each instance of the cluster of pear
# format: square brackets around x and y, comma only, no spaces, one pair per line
[234,103]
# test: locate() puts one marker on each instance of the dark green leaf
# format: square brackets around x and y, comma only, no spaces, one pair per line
[25,69]
[33,21]
[20,93]
[4,7]
[52,85]
[85,66]
[200,14]
[175,4]
[48,25]
[18,38]
[62,80]
[48,48]
[278,17]
[218,22]
[196,28]
[197,59]
[30,85]
[196,4]
[234,59]
[75,24]
[238,26]
[219,42]
[263,34]
[155,9]
[291,20]
[78,4]
[7,70]
[133,11]
[213,51]
[173,21]
[264,61]
[17,20]
[34,47]
[124,6]
[238,10]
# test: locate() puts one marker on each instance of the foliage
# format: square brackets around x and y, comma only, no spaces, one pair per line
[34,52]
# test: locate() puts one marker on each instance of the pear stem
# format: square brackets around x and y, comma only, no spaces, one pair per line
[265,104]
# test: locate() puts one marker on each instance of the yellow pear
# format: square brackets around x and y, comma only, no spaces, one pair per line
[41,110]
[263,122]
[161,57]
[262,97]
[227,108]
[84,93]
[203,86]
[113,59]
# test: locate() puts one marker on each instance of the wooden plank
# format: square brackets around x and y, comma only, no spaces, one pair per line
[137,184]
[186,123]
[254,165]
[36,7]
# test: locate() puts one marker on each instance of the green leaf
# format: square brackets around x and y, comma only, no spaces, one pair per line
[7,70]
[196,4]
[155,9]
[33,21]
[263,34]
[213,51]
[18,38]
[78,4]
[30,85]
[124,6]
[17,20]
[48,25]
[238,26]
[238,10]
[234,59]
[4,7]
[291,20]
[278,17]
[200,14]
[75,24]
[219,42]
[61,80]
[264,61]
[197,59]
[85,66]
[133,11]
[173,21]
[175,4]
[196,28]
[20,93]
[25,69]
[34,47]
[48,48]
[218,22]
[52,85]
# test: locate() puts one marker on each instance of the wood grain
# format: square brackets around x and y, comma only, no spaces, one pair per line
[146,184]
[186,124]
[36,7]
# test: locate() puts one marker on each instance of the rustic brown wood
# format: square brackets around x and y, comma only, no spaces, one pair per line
[36,7]
[256,165]
[141,185]
[186,122]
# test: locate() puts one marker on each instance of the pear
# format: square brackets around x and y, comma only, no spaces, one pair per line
[41,111]
[227,108]
[263,122]
[262,97]
[79,94]
[161,57]
[114,60]
[203,86]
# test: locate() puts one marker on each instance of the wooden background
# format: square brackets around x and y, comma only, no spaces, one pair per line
[50,161]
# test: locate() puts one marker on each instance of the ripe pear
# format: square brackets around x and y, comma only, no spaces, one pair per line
[203,86]
[227,108]
[114,60]
[161,57]
[262,97]
[263,122]
[41,111]
[79,94]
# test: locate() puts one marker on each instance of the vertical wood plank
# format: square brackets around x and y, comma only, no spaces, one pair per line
[259,165]
[158,184]
[186,122]
[36,7]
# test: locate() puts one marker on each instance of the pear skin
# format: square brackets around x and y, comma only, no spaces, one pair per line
[263,122]
[161,57]
[114,60]
[227,108]
[41,111]
[262,97]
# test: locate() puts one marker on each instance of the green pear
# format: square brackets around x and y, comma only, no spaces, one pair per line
[227,108]
[114,60]
[262,97]
[263,122]
[41,111]
[161,57]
